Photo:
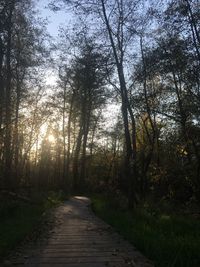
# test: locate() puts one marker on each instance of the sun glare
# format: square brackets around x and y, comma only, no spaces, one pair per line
[51,138]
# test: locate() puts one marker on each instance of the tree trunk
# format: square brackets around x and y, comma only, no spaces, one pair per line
[194,29]
[76,158]
[64,139]
[93,132]
[1,110]
[86,127]
[69,141]
[1,83]
[130,159]
[8,154]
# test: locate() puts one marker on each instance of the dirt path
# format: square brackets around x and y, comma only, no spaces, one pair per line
[80,239]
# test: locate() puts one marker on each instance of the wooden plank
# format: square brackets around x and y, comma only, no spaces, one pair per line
[82,240]
[78,265]
[71,254]
[86,249]
[78,259]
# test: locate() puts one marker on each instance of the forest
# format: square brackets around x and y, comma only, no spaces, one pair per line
[109,109]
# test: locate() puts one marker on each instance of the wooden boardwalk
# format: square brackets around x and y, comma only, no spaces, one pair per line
[80,239]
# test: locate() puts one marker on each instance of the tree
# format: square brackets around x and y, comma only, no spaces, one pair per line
[118,20]
[86,81]
[21,49]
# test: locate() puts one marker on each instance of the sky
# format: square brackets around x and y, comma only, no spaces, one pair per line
[55,19]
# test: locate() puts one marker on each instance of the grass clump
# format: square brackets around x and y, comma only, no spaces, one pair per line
[168,240]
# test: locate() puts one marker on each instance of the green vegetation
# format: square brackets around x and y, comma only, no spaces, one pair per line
[19,219]
[15,226]
[167,239]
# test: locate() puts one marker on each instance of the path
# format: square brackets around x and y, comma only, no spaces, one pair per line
[82,240]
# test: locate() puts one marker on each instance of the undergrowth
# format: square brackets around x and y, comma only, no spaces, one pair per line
[169,240]
[19,218]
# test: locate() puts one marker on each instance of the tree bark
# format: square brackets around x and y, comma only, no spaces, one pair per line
[8,111]
[130,159]
[64,137]
[194,29]
[76,158]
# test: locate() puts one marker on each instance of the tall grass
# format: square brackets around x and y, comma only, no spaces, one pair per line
[168,240]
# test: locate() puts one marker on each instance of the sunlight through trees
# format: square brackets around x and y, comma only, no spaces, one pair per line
[141,57]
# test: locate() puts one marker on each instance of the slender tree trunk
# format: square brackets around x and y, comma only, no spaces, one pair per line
[93,132]
[16,128]
[76,158]
[112,161]
[1,110]
[194,29]
[8,154]
[86,127]
[64,137]
[69,140]
[148,159]
[1,83]
[131,171]
[183,117]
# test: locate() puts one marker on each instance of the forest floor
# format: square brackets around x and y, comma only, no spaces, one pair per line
[79,238]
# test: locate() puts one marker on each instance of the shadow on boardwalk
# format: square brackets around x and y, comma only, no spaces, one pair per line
[80,239]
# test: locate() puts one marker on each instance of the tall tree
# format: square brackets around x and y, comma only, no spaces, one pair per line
[21,45]
[117,21]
